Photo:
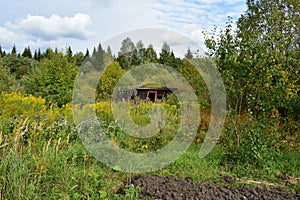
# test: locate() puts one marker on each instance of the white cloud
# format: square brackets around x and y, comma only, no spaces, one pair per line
[6,35]
[54,27]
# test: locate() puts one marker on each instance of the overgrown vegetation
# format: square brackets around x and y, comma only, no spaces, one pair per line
[259,61]
[43,158]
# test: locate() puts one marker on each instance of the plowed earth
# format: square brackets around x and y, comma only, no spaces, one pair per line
[170,188]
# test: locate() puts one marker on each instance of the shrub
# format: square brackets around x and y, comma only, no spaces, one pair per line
[249,141]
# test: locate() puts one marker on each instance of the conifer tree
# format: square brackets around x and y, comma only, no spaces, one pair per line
[14,50]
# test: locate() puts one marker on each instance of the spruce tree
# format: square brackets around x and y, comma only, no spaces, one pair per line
[14,50]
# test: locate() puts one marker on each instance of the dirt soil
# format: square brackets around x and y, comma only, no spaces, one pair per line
[170,188]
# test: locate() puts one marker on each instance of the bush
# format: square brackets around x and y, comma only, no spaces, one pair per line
[249,141]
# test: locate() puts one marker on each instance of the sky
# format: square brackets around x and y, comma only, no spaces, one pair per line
[83,24]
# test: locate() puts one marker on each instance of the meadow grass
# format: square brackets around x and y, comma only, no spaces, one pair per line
[42,157]
[72,173]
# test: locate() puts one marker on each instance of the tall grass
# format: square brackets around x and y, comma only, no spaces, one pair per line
[41,156]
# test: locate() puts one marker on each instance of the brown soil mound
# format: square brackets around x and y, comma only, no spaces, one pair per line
[170,188]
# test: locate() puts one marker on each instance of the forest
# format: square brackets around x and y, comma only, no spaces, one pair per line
[258,58]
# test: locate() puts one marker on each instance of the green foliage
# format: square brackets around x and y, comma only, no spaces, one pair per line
[19,65]
[109,80]
[97,58]
[53,80]
[127,56]
[152,85]
[8,81]
[132,192]
[195,79]
[108,57]
[37,55]
[165,54]
[151,56]
[167,57]
[1,52]
[45,169]
[14,50]
[250,141]
[79,58]
[189,54]
[141,52]
[171,99]
[27,52]
[139,114]
[260,59]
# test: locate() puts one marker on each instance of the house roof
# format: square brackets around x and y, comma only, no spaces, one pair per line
[157,89]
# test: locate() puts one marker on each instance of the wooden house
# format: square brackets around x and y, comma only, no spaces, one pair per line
[154,94]
[144,93]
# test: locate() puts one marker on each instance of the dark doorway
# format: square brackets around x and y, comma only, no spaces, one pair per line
[152,96]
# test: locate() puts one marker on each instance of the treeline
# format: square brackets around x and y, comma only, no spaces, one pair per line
[50,74]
